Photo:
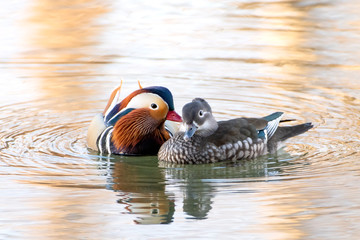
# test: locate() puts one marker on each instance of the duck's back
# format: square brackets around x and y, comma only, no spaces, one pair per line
[234,130]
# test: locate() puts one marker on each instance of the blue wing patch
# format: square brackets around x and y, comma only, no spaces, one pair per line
[273,124]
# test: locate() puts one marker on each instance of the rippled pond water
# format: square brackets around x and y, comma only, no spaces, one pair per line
[61,59]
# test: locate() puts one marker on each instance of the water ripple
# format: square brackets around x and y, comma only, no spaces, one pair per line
[47,144]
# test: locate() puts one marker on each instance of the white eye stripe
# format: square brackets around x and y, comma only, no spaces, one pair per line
[143,99]
[202,113]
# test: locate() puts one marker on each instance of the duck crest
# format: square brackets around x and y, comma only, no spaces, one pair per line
[127,99]
[160,91]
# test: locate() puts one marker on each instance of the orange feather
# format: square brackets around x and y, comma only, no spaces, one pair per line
[136,126]
[139,84]
[126,100]
[112,96]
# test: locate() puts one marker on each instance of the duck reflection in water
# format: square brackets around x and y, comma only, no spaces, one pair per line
[143,183]
[141,187]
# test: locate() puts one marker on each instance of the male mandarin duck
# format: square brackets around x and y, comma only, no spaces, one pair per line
[204,140]
[136,125]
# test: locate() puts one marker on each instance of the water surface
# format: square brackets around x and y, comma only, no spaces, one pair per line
[60,61]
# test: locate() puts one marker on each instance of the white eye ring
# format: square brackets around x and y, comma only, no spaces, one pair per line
[154,106]
[201,113]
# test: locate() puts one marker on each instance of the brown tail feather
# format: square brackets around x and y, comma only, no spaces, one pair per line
[283,133]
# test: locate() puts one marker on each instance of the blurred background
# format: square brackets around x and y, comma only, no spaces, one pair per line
[60,60]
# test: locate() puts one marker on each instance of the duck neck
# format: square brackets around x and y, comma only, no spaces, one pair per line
[136,127]
[208,128]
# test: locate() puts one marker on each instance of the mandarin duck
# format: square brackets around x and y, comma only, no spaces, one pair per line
[135,125]
[204,140]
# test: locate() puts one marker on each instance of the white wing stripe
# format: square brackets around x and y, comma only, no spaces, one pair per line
[108,140]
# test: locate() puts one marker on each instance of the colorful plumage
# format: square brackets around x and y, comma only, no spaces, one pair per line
[204,140]
[135,125]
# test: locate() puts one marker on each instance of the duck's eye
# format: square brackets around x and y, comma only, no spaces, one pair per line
[154,106]
[201,113]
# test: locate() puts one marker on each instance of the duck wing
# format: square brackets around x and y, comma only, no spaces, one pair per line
[241,128]
[232,131]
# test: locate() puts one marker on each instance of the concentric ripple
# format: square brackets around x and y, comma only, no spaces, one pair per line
[37,142]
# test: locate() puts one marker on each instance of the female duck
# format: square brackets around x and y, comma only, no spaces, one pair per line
[134,126]
[204,140]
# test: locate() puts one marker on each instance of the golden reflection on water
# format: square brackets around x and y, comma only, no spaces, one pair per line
[67,213]
[64,29]
[284,211]
[284,44]
[63,36]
